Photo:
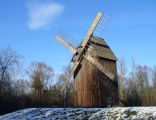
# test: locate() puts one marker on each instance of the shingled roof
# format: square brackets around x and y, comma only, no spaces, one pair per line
[102,49]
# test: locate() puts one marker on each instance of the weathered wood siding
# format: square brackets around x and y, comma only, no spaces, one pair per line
[91,86]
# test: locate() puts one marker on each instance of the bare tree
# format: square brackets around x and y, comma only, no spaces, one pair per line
[20,87]
[67,94]
[132,79]
[142,75]
[9,59]
[153,97]
[154,77]
[121,72]
[45,71]
[130,87]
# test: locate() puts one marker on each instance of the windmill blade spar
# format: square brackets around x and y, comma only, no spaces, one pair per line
[90,32]
[92,28]
[70,75]
[69,46]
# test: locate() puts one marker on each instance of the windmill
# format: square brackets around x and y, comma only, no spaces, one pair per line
[94,70]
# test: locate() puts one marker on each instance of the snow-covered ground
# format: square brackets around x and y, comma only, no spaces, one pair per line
[125,113]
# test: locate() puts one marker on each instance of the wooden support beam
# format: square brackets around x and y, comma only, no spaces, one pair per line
[99,66]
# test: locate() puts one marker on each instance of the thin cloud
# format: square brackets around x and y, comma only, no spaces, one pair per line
[40,15]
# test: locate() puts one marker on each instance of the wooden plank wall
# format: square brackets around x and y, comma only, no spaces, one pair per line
[88,88]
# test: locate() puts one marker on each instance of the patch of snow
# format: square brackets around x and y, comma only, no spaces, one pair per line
[124,113]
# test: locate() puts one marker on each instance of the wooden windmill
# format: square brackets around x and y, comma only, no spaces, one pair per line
[94,70]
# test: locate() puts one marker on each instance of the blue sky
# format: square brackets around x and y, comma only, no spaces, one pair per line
[30,27]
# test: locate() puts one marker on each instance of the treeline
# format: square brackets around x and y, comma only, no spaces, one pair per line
[138,86]
[18,83]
